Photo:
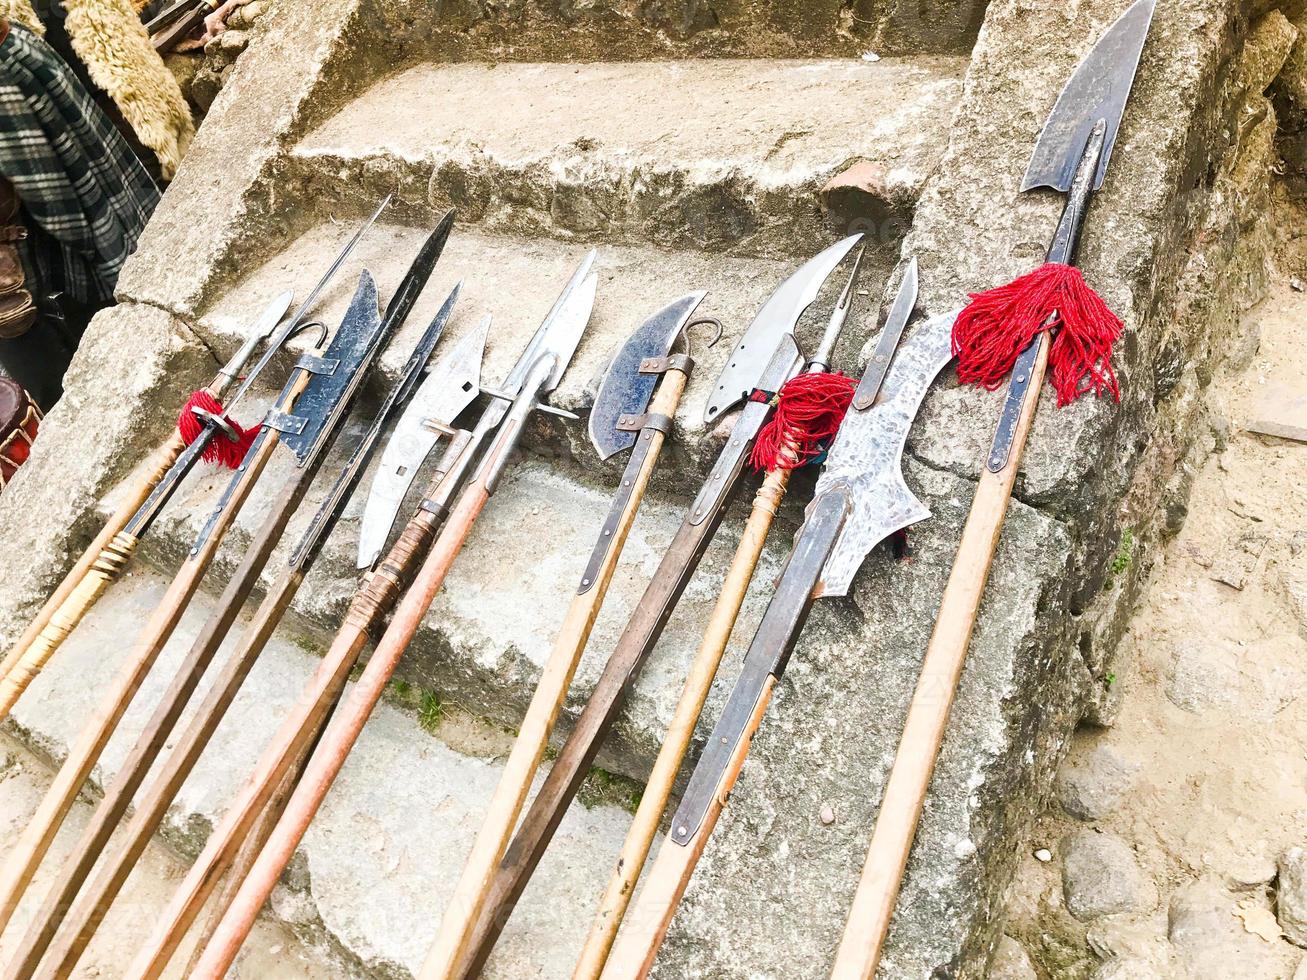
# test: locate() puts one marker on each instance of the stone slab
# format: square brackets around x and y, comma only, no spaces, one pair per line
[718,154]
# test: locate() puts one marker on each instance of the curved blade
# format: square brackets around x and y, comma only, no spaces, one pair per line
[546,337]
[779,316]
[625,391]
[566,328]
[451,386]
[865,459]
[1098,90]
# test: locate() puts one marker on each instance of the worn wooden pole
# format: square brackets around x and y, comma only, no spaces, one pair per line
[698,682]
[465,906]
[923,731]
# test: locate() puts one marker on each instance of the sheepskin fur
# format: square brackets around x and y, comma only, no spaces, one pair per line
[21,12]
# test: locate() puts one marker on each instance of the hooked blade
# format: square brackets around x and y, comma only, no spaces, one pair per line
[625,391]
[864,463]
[451,386]
[1098,90]
[778,316]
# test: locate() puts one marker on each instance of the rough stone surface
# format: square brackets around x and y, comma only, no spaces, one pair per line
[1209,940]
[1101,876]
[1011,962]
[1291,895]
[1094,780]
[730,156]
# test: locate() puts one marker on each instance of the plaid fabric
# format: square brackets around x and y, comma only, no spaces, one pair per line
[85,192]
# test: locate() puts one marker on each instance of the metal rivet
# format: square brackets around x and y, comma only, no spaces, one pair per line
[585,581]
[682,831]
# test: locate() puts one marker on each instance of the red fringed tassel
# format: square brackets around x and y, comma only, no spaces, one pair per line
[999,324]
[809,410]
[220,448]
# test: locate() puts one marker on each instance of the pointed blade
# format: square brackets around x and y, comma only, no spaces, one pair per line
[451,386]
[566,329]
[625,391]
[1098,90]
[899,315]
[567,307]
[865,459]
[779,316]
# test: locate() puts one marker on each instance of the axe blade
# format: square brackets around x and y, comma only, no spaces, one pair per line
[625,391]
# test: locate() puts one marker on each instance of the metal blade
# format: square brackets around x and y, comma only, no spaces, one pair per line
[625,391]
[263,327]
[545,334]
[779,316]
[1098,90]
[864,463]
[566,330]
[899,315]
[451,386]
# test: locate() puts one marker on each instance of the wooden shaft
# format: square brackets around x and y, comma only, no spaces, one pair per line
[159,465]
[636,948]
[923,731]
[21,862]
[284,756]
[339,738]
[102,573]
[469,897]
[635,849]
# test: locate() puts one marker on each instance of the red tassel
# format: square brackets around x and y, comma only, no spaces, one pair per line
[809,410]
[220,449]
[999,324]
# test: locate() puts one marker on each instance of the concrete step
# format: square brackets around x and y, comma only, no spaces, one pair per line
[607,29]
[721,155]
[516,280]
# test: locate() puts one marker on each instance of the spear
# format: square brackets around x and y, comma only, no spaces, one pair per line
[537,373]
[319,392]
[1071,156]
[212,436]
[235,843]
[861,498]
[621,418]
[88,907]
[765,358]
[703,669]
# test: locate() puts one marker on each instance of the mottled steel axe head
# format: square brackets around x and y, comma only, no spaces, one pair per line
[625,391]
[865,460]
[1097,91]
[451,385]
[778,317]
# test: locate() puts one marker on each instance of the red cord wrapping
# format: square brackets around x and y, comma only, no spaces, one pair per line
[220,449]
[999,324]
[809,410]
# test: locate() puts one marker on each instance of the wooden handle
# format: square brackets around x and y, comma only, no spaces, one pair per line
[339,738]
[698,683]
[637,945]
[464,908]
[106,567]
[923,731]
[163,459]
[236,842]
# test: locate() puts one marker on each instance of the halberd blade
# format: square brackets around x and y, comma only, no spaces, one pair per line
[625,391]
[544,333]
[865,459]
[451,386]
[1098,90]
[566,328]
[779,316]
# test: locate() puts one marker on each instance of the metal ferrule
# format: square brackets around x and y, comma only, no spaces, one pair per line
[1072,223]
[495,462]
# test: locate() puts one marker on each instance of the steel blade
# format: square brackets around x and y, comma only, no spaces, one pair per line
[1098,90]
[451,386]
[899,315]
[263,327]
[778,316]
[865,460]
[566,329]
[513,383]
[625,391]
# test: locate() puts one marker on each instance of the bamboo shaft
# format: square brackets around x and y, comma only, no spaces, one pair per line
[464,908]
[22,861]
[927,719]
[102,573]
[637,944]
[639,839]
[285,754]
[346,725]
[159,465]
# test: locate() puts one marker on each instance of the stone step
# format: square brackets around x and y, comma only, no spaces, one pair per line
[731,154]
[607,29]
[517,280]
